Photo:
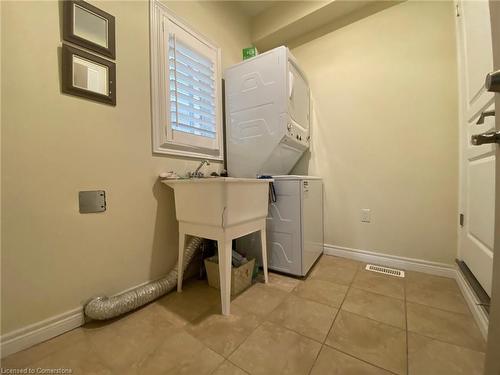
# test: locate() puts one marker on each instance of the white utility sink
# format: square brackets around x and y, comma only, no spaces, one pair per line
[219,201]
[220,209]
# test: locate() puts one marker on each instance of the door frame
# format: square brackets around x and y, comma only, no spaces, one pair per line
[492,364]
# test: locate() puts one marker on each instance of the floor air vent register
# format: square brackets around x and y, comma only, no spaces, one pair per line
[385,270]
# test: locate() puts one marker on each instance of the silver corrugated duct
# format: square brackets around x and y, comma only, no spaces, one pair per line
[102,308]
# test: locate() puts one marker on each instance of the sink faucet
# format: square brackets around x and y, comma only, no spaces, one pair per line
[197,173]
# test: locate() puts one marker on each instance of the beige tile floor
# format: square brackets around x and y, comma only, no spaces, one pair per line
[340,320]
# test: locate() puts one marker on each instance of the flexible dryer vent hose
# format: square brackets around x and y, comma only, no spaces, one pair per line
[102,308]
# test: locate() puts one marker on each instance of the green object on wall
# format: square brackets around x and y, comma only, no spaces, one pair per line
[249,52]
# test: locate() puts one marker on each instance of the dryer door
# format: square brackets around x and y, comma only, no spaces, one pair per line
[298,96]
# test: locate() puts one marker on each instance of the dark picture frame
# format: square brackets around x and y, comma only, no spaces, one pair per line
[71,35]
[68,84]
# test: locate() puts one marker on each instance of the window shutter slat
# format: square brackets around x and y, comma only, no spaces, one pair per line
[194,64]
[193,130]
[188,88]
[194,103]
[199,124]
[187,110]
[192,74]
[185,50]
[192,90]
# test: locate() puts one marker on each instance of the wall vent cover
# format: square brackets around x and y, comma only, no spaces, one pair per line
[385,270]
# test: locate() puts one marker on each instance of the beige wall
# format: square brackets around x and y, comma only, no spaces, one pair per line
[386,134]
[53,145]
[385,138]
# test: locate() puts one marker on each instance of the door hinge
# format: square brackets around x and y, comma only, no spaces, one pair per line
[457,7]
[461,220]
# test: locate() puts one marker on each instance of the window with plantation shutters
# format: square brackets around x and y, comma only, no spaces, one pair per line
[186,88]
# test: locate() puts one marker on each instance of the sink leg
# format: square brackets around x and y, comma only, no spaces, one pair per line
[225,256]
[180,268]
[263,242]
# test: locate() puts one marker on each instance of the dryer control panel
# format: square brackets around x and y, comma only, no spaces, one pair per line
[297,133]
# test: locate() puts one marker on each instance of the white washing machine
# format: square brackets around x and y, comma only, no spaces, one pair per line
[294,226]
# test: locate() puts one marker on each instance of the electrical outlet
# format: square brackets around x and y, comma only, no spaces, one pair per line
[366,214]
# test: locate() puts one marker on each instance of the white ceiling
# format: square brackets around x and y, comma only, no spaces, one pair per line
[253,8]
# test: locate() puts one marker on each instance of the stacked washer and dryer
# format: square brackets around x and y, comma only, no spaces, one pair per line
[267,130]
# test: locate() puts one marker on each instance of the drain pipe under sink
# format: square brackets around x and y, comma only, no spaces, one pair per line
[102,308]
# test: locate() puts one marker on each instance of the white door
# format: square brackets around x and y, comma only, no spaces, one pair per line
[477,163]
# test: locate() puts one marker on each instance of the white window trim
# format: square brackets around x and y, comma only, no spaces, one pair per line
[159,92]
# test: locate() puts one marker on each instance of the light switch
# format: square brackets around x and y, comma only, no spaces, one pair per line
[366,215]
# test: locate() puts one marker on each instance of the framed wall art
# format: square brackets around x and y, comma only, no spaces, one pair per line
[88,76]
[89,27]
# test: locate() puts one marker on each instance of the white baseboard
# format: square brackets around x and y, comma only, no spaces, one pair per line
[44,330]
[411,264]
[33,334]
